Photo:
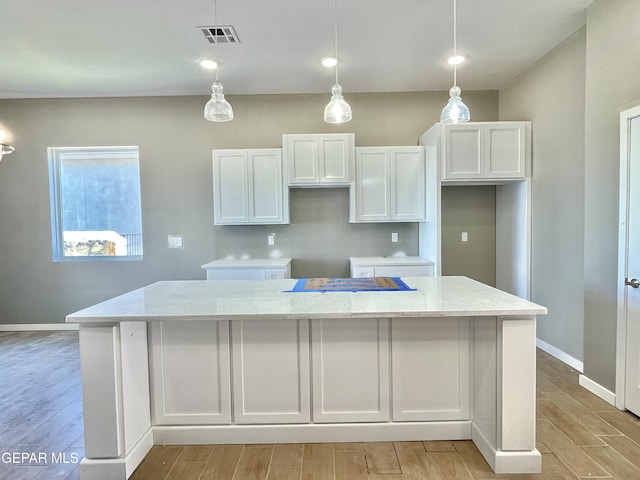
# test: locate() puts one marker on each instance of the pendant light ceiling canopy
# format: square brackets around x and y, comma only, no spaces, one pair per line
[217,108]
[455,111]
[337,110]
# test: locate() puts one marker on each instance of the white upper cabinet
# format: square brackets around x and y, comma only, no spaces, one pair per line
[248,187]
[485,151]
[389,186]
[319,159]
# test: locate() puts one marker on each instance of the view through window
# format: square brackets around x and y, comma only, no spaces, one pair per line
[95,203]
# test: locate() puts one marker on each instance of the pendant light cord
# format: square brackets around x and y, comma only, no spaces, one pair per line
[215,27]
[335,31]
[455,42]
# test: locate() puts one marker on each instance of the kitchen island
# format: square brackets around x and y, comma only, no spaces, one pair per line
[194,362]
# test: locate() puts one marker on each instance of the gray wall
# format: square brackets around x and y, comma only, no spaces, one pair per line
[473,210]
[175,165]
[612,83]
[551,95]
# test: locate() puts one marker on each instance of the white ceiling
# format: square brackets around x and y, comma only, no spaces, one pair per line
[95,48]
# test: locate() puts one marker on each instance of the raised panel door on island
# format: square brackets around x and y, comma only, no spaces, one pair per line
[270,361]
[350,363]
[430,369]
[190,372]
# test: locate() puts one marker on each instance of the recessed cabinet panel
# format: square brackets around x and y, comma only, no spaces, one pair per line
[334,151]
[350,370]
[231,186]
[408,183]
[266,185]
[505,151]
[463,147]
[271,371]
[191,381]
[372,180]
[435,351]
[302,155]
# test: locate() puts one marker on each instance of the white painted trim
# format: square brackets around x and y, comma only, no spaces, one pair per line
[316,433]
[525,461]
[623,254]
[137,453]
[102,469]
[560,355]
[36,327]
[597,389]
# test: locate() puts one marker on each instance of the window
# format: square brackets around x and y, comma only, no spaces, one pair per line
[95,203]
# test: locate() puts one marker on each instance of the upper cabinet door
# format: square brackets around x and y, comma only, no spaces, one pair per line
[463,151]
[336,158]
[372,188]
[302,152]
[505,150]
[266,186]
[407,183]
[319,159]
[230,187]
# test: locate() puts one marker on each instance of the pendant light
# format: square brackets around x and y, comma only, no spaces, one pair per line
[455,111]
[337,110]
[217,108]
[4,148]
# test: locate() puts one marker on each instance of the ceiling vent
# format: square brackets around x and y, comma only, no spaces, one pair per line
[220,34]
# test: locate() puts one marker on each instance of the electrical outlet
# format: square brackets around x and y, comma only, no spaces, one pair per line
[271,239]
[464,238]
[394,237]
[174,241]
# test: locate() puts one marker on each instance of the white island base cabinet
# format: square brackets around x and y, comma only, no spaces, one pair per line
[452,360]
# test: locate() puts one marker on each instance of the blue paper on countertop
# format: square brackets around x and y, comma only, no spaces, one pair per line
[371,284]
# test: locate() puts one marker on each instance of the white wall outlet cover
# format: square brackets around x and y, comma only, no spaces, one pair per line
[271,239]
[464,237]
[174,241]
[394,237]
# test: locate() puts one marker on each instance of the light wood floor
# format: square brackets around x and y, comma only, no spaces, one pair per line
[579,435]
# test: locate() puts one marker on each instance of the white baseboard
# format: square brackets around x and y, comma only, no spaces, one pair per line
[597,389]
[560,355]
[36,327]
[527,461]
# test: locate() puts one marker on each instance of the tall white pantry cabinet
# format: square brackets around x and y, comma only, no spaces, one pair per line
[484,153]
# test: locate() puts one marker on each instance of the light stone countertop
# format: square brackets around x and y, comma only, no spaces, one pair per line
[382,261]
[247,263]
[264,299]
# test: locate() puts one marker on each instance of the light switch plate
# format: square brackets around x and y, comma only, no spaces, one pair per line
[174,241]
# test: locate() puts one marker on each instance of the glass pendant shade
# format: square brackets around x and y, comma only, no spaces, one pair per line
[337,110]
[217,108]
[5,150]
[455,111]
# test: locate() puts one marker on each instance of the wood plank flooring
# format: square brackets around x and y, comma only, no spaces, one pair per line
[579,435]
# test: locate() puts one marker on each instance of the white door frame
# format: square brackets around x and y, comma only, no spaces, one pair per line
[623,253]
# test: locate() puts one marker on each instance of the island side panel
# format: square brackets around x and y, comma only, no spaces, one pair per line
[517,383]
[504,393]
[115,388]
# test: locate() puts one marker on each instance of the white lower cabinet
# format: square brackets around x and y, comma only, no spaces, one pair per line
[430,369]
[190,378]
[270,371]
[350,364]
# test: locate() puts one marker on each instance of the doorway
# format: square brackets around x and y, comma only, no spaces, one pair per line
[628,334]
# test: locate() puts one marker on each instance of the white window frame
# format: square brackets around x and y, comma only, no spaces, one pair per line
[56,155]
